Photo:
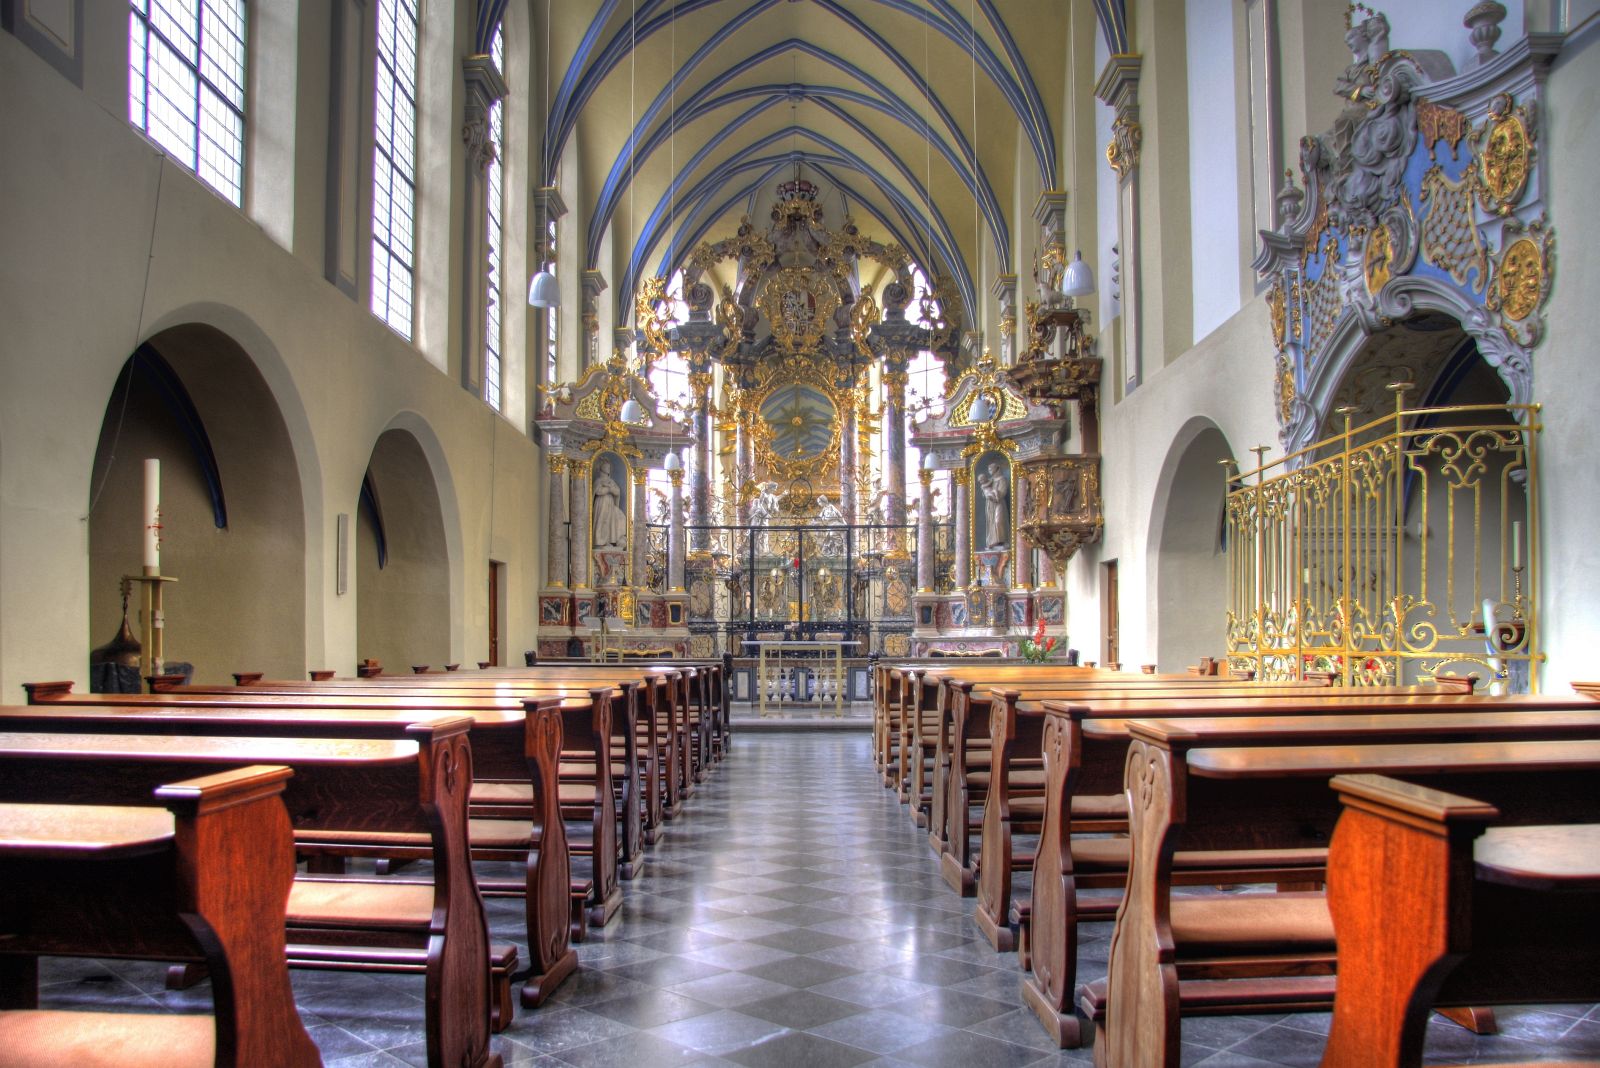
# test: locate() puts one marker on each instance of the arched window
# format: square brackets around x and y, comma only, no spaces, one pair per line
[669,377]
[186,85]
[552,320]
[925,374]
[394,165]
[495,197]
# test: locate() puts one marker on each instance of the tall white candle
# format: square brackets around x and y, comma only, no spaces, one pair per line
[152,516]
[1516,543]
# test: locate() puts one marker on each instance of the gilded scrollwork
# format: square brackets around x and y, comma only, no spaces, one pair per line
[1505,155]
[1522,276]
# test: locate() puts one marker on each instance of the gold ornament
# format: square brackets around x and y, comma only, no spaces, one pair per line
[1505,158]
[1377,258]
[1520,280]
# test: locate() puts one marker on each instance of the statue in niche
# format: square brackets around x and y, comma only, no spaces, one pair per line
[765,507]
[995,485]
[610,521]
[1064,492]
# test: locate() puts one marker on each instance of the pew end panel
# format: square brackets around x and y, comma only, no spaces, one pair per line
[211,889]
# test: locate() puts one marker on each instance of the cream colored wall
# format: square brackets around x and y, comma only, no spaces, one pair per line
[1566,375]
[1224,380]
[88,207]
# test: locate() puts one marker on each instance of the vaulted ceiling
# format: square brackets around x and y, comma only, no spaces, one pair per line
[919,117]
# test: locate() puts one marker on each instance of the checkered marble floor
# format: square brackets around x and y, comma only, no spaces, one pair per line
[791,916]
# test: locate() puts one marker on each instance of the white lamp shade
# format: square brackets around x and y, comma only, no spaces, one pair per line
[632,411]
[982,408]
[672,462]
[1079,281]
[929,463]
[543,292]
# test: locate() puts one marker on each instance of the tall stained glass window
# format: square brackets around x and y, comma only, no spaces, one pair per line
[186,85]
[495,235]
[394,165]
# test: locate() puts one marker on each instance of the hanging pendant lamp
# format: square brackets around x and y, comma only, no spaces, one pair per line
[543,291]
[1079,280]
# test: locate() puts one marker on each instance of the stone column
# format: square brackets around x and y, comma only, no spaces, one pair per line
[963,521]
[545,206]
[1022,564]
[894,425]
[594,283]
[556,566]
[483,85]
[1005,291]
[847,460]
[578,531]
[638,531]
[1118,87]
[925,534]
[675,535]
[741,463]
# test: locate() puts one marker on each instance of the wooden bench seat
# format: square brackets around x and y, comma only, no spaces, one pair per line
[503,741]
[1197,796]
[1087,748]
[1501,915]
[413,793]
[204,880]
[580,711]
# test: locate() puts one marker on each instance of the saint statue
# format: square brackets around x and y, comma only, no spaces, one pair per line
[765,508]
[996,490]
[610,521]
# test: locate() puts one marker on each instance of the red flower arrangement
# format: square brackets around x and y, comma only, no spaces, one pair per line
[1038,648]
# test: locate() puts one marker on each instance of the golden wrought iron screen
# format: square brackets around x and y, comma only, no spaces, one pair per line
[1395,550]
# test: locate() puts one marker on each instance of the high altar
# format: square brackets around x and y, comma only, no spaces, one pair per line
[772,500]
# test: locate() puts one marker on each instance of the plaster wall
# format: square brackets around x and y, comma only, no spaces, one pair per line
[92,267]
[1213,161]
[1566,375]
[1225,380]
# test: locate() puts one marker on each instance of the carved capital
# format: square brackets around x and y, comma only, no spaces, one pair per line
[1123,150]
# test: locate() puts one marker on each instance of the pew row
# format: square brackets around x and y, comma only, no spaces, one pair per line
[1494,915]
[1086,746]
[206,879]
[586,716]
[346,797]
[1253,952]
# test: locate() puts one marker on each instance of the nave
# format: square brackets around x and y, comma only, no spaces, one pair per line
[792,916]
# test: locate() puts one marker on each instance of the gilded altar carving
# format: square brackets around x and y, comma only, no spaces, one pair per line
[1122,152]
[1412,209]
[1506,155]
[1522,279]
[799,304]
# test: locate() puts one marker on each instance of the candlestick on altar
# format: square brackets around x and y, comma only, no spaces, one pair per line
[152,621]
[152,517]
[152,656]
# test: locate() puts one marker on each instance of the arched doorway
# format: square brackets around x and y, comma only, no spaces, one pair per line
[233,525]
[1187,555]
[402,561]
[1453,527]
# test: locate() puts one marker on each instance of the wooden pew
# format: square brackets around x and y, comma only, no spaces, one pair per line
[500,740]
[1493,915]
[1086,747]
[1261,952]
[206,880]
[663,744]
[970,767]
[586,718]
[344,793]
[956,731]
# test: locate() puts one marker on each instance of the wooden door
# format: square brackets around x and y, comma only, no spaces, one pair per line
[494,613]
[1110,642]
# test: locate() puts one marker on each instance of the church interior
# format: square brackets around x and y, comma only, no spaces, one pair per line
[739,531]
